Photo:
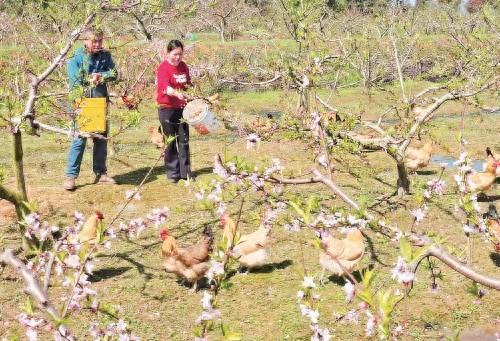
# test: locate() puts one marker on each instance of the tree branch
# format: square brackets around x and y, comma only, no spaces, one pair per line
[274,79]
[427,113]
[33,288]
[461,268]
[37,80]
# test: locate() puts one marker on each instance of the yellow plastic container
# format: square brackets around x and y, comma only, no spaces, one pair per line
[92,116]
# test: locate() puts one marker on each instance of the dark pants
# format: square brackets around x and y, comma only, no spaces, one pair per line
[177,163]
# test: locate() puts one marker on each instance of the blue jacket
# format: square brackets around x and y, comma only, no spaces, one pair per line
[82,64]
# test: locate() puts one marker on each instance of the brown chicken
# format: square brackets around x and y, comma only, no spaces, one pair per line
[190,263]
[417,158]
[340,256]
[483,181]
[156,137]
[88,232]
[130,101]
[493,226]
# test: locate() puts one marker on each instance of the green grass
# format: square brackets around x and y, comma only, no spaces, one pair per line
[262,304]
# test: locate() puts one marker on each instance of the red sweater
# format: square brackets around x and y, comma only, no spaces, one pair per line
[177,77]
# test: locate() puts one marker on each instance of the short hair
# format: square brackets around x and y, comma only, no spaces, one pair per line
[173,44]
[92,32]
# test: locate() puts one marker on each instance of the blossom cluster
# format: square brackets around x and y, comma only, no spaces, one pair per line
[113,330]
[35,228]
[402,272]
[306,299]
[208,313]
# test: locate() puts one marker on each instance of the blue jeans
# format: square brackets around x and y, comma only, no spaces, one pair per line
[75,156]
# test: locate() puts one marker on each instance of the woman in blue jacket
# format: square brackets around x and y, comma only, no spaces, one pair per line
[90,68]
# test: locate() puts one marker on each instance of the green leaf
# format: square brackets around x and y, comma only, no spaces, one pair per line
[367,277]
[406,251]
[365,296]
[298,209]
[232,336]
[29,308]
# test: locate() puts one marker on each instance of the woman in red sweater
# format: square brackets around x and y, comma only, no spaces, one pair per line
[172,78]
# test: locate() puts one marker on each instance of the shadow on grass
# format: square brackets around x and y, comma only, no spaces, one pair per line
[201,171]
[268,268]
[134,177]
[371,248]
[339,280]
[426,172]
[107,273]
[495,257]
[487,198]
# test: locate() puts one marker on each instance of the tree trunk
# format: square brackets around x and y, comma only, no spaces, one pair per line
[14,199]
[18,164]
[222,30]
[403,179]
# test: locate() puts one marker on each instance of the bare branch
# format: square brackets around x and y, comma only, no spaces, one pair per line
[68,132]
[427,113]
[328,106]
[461,268]
[274,79]
[37,80]
[330,184]
[398,65]
[33,288]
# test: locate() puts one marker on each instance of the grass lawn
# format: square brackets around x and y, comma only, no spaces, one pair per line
[262,304]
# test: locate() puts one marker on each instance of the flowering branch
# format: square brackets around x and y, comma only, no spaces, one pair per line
[33,287]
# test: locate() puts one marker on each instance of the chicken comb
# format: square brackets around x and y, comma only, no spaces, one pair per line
[99,215]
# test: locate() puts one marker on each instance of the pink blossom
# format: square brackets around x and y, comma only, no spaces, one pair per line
[133,194]
[31,334]
[402,272]
[308,282]
[419,214]
[158,216]
[206,301]
[252,141]
[436,186]
[73,261]
[352,316]
[349,291]
[370,324]
[293,227]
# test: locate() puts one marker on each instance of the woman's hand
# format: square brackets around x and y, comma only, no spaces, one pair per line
[181,96]
[95,78]
[172,92]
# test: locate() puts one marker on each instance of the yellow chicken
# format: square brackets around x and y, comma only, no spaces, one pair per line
[156,137]
[89,229]
[483,181]
[251,250]
[417,158]
[340,256]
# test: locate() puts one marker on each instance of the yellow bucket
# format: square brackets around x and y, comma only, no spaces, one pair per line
[92,116]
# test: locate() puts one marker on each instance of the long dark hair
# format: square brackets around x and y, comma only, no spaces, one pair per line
[173,44]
